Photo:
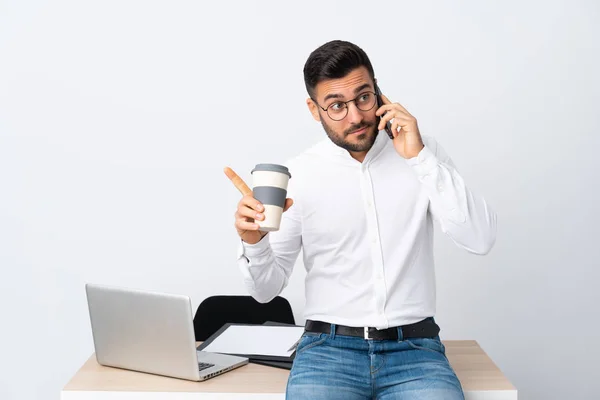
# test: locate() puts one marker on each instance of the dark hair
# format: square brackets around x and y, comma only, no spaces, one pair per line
[334,60]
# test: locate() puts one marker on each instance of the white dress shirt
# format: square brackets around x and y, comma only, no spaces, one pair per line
[366,233]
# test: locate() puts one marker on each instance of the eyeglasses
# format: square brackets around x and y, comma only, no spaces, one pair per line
[338,110]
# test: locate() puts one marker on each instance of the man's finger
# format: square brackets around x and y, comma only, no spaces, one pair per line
[383,109]
[246,226]
[385,99]
[246,212]
[237,181]
[250,202]
[396,129]
[389,106]
[398,105]
[387,117]
[288,204]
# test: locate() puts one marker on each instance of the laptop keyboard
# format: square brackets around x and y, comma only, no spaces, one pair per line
[202,366]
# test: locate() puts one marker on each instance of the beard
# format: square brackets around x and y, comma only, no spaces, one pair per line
[362,142]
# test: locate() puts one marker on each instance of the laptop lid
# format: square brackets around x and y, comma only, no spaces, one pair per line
[143,331]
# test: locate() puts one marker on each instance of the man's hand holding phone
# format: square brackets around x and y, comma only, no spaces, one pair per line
[249,209]
[407,138]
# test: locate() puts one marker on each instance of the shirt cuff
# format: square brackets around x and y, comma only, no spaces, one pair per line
[424,163]
[253,250]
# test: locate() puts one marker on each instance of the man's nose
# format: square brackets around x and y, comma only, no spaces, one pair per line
[355,116]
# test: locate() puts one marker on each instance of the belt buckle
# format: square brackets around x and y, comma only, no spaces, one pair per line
[366,333]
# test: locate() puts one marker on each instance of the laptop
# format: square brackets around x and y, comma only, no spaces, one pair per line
[150,332]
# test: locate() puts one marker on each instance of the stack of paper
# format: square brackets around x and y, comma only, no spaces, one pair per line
[273,345]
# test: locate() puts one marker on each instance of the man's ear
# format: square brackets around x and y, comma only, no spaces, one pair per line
[314,109]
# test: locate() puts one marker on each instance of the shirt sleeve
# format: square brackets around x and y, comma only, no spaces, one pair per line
[463,215]
[267,265]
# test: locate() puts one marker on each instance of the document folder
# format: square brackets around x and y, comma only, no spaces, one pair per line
[262,343]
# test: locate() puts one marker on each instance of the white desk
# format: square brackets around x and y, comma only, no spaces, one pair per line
[479,376]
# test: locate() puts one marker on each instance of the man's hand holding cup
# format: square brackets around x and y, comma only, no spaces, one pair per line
[253,219]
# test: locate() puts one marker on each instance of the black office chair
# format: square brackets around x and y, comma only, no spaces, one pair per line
[216,311]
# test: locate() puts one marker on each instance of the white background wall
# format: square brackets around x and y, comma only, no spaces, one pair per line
[117,117]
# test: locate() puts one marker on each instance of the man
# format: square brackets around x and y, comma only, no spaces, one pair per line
[362,212]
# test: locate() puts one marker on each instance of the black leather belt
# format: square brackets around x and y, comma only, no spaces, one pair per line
[426,328]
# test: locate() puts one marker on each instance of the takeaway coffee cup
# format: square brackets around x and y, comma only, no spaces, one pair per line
[269,182]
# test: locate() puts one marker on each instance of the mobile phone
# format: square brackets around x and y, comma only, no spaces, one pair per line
[388,125]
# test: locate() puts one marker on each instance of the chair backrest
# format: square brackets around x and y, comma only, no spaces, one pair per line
[216,311]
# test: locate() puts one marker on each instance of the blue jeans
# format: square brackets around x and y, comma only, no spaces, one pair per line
[329,366]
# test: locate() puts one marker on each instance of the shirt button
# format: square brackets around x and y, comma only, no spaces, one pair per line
[440,188]
[374,239]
